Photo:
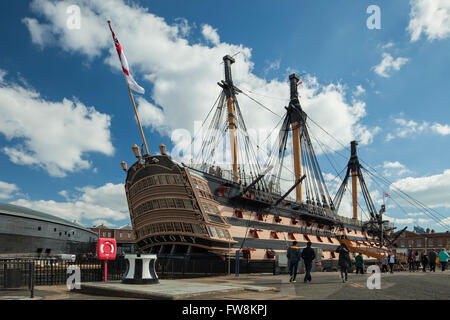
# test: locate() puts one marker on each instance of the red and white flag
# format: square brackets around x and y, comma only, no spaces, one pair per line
[386,195]
[125,68]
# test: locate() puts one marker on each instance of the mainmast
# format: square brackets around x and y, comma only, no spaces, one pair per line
[229,90]
[295,125]
[354,167]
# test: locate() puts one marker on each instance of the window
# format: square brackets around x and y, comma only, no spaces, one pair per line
[402,243]
[120,234]
[162,179]
[419,242]
[39,228]
[179,203]
[188,204]
[178,226]
[440,242]
[171,203]
[197,229]
[213,232]
[104,234]
[129,235]
[430,242]
[187,227]
[410,243]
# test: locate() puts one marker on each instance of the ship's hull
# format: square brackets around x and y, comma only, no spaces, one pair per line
[178,210]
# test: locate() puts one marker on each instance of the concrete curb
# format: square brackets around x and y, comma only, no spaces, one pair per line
[165,290]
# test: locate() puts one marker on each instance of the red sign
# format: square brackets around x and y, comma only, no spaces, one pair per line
[106,249]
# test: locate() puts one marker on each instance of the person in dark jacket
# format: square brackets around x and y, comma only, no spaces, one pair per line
[432,255]
[424,259]
[344,260]
[308,256]
[293,254]
[359,263]
[411,261]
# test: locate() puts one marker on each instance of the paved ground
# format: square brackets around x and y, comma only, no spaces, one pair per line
[325,286]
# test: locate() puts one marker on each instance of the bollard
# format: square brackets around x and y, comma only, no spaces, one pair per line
[237,263]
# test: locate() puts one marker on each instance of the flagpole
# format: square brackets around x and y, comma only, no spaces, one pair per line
[137,117]
[134,105]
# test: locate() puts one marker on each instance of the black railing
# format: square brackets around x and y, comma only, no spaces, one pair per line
[17,275]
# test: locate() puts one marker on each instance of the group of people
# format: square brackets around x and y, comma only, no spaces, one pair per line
[388,259]
[415,260]
[294,254]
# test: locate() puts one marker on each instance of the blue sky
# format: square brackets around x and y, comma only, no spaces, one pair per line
[64,157]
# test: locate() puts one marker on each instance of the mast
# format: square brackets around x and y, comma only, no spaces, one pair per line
[295,125]
[354,171]
[229,92]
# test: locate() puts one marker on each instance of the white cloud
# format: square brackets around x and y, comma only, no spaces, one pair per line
[389,64]
[441,129]
[105,223]
[387,45]
[107,202]
[210,34]
[433,191]
[2,75]
[415,214]
[431,17]
[410,128]
[7,190]
[359,91]
[394,168]
[184,75]
[400,220]
[43,131]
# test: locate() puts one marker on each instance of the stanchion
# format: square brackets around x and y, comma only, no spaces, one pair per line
[237,263]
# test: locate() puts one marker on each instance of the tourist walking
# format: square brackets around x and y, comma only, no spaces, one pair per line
[432,255]
[417,260]
[293,254]
[308,256]
[384,263]
[392,261]
[344,260]
[424,259]
[443,259]
[411,261]
[359,262]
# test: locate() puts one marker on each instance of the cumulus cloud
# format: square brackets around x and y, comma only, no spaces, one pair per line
[7,190]
[184,75]
[388,64]
[210,34]
[410,128]
[359,91]
[107,202]
[433,191]
[430,17]
[43,131]
[441,129]
[394,168]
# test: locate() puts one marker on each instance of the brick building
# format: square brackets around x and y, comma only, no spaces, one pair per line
[422,241]
[125,237]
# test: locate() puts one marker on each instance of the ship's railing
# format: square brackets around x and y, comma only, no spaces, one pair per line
[350,221]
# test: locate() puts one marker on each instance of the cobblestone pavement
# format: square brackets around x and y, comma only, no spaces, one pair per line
[324,286]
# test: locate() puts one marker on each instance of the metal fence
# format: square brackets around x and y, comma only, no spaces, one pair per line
[21,273]
[17,275]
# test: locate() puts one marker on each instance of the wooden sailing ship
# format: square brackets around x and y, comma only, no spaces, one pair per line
[180,209]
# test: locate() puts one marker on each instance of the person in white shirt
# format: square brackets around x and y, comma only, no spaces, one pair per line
[392,262]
